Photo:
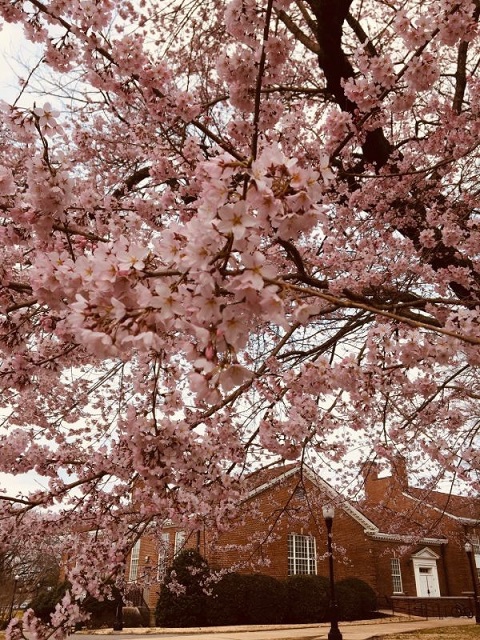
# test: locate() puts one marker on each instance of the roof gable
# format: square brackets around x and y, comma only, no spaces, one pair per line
[462,508]
[266,479]
[277,475]
[426,554]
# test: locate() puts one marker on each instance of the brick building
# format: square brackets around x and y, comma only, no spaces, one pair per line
[402,541]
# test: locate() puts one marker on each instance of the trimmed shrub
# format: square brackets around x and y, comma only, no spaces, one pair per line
[228,601]
[247,599]
[183,601]
[266,600]
[356,599]
[308,599]
[102,612]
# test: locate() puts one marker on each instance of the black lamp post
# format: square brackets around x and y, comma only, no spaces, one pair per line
[12,601]
[473,571]
[334,633]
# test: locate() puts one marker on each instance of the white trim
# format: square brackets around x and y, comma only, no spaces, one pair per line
[271,483]
[366,523]
[370,528]
[460,519]
[394,537]
[134,561]
[324,488]
[426,573]
[426,554]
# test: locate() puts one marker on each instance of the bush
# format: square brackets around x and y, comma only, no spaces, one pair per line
[45,601]
[102,612]
[308,599]
[132,617]
[266,600]
[356,599]
[247,599]
[228,601]
[183,601]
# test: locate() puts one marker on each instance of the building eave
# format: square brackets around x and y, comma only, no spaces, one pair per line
[405,539]
[337,497]
[469,522]
[271,483]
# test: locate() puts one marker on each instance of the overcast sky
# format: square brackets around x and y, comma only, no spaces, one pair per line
[17,55]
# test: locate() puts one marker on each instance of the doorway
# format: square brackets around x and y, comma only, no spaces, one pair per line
[426,574]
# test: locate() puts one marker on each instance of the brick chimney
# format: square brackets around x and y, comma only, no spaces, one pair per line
[399,472]
[373,485]
[378,489]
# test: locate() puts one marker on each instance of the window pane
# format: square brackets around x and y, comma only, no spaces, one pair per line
[163,556]
[134,561]
[179,542]
[301,555]
[396,576]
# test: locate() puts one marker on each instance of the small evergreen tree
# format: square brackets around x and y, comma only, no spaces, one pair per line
[183,600]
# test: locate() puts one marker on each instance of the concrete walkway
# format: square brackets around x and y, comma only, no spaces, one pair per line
[367,630]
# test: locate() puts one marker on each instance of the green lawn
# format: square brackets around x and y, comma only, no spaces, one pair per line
[443,633]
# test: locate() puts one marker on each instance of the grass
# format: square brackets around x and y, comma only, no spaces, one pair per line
[441,633]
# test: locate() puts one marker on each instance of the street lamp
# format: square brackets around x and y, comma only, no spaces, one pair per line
[469,552]
[15,582]
[334,633]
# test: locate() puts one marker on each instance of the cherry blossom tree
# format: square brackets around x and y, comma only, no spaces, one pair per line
[232,232]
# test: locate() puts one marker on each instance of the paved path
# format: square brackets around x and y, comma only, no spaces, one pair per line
[350,631]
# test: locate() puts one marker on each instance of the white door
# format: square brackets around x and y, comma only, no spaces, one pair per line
[426,574]
[428,582]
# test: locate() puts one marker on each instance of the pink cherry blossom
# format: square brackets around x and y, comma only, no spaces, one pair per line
[250,235]
[47,116]
[7,185]
[235,219]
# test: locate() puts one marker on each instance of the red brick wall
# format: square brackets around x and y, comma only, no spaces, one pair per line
[259,539]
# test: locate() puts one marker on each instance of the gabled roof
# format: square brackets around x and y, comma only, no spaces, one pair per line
[406,529]
[465,509]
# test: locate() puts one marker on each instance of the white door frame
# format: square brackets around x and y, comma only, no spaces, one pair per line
[426,574]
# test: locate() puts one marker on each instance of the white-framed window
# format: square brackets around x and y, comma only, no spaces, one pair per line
[475,540]
[163,555]
[396,576]
[134,558]
[302,556]
[179,542]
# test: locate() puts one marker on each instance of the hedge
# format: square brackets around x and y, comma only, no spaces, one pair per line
[308,599]
[247,599]
[356,599]
[192,597]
